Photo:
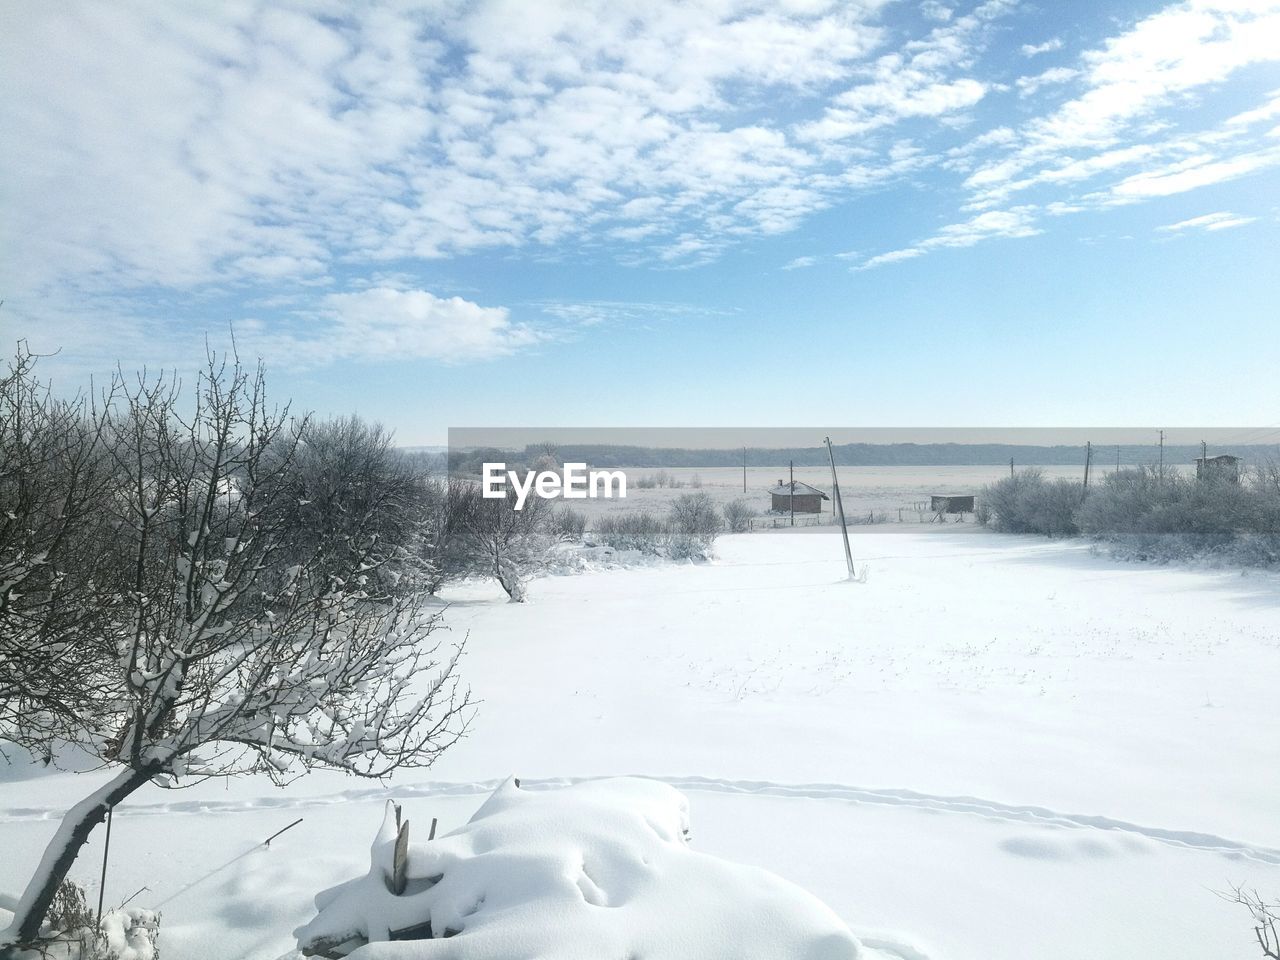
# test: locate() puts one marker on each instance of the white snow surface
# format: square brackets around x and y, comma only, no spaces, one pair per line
[591,870]
[996,748]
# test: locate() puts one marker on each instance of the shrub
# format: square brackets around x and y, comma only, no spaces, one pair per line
[567,524]
[1028,503]
[1173,517]
[695,515]
[1148,515]
[738,516]
[982,512]
[646,533]
[632,531]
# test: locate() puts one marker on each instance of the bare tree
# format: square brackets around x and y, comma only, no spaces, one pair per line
[54,471]
[223,661]
[508,543]
[443,546]
[354,491]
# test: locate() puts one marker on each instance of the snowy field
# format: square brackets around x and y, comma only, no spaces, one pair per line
[996,748]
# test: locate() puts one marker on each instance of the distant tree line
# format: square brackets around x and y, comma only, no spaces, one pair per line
[1146,513]
[848,454]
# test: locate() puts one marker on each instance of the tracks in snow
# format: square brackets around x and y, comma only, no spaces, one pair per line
[972,806]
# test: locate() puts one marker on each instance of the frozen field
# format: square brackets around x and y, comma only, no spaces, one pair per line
[996,748]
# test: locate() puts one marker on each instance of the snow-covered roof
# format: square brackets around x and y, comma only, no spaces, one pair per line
[530,874]
[802,490]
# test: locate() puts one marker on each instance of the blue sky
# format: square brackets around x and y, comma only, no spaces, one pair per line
[713,213]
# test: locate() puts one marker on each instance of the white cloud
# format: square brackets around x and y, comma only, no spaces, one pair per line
[893,256]
[1134,116]
[799,263]
[936,11]
[1148,68]
[283,149]
[1035,49]
[1209,221]
[1015,222]
[1190,174]
[633,314]
[388,323]
[919,81]
[1051,77]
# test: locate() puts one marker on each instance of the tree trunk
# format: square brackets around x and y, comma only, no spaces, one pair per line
[61,853]
[509,576]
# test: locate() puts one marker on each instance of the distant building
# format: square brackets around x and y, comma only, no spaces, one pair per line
[796,495]
[951,503]
[1225,467]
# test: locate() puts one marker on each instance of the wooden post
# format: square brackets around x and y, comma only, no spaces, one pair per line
[400,861]
[744,469]
[102,883]
[1161,454]
[791,500]
[1011,466]
[1088,456]
[844,529]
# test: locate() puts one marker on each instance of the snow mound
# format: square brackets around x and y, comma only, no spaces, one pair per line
[600,869]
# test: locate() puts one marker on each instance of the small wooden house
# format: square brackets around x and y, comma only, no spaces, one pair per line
[951,503]
[1225,467]
[796,495]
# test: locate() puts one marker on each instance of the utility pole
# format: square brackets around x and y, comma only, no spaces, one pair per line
[844,529]
[791,500]
[1161,454]
[1088,456]
[744,469]
[1011,466]
[1117,458]
[1204,461]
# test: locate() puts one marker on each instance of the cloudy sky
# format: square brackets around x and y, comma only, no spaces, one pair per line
[629,213]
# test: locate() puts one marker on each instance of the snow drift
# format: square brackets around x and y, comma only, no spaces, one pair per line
[597,869]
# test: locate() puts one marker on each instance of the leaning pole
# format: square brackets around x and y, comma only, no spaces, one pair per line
[844,528]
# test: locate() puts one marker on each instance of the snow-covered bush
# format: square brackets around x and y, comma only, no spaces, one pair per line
[1028,503]
[645,533]
[567,524]
[1145,515]
[600,869]
[128,934]
[638,530]
[738,516]
[70,931]
[695,515]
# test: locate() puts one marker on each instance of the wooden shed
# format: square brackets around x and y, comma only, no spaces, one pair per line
[951,503]
[1225,467]
[797,495]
